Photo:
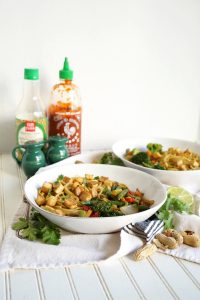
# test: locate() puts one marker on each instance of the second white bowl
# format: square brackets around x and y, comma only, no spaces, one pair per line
[189,179]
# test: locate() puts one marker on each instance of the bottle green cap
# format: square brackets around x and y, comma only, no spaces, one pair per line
[31,74]
[66,73]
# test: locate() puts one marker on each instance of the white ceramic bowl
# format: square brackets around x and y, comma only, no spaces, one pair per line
[85,157]
[151,187]
[189,179]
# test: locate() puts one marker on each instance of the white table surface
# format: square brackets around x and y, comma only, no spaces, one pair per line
[159,277]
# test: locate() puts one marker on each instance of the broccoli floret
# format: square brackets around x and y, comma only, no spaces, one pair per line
[110,159]
[141,158]
[154,147]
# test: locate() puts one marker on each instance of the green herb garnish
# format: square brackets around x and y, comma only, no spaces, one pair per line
[171,205]
[38,227]
[60,177]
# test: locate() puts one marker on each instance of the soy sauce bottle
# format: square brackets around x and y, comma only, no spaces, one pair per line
[31,120]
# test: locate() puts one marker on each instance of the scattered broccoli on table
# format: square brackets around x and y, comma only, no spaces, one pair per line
[109,158]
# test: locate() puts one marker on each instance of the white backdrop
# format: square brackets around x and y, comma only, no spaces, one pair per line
[137,63]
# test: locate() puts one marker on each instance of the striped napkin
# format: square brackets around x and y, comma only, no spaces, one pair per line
[145,230]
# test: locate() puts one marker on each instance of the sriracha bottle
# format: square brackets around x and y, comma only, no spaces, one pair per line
[64,111]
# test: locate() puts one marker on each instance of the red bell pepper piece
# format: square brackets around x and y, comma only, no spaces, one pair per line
[95,214]
[85,207]
[129,199]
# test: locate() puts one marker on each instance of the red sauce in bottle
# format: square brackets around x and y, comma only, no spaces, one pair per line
[64,112]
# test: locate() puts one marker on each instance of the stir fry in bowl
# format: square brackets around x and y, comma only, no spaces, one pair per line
[155,157]
[69,219]
[89,196]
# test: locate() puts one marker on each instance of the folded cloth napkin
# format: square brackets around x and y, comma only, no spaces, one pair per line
[73,249]
[83,248]
[87,248]
[183,222]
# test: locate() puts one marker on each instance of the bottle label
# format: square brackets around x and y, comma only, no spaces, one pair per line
[33,130]
[67,124]
[30,126]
